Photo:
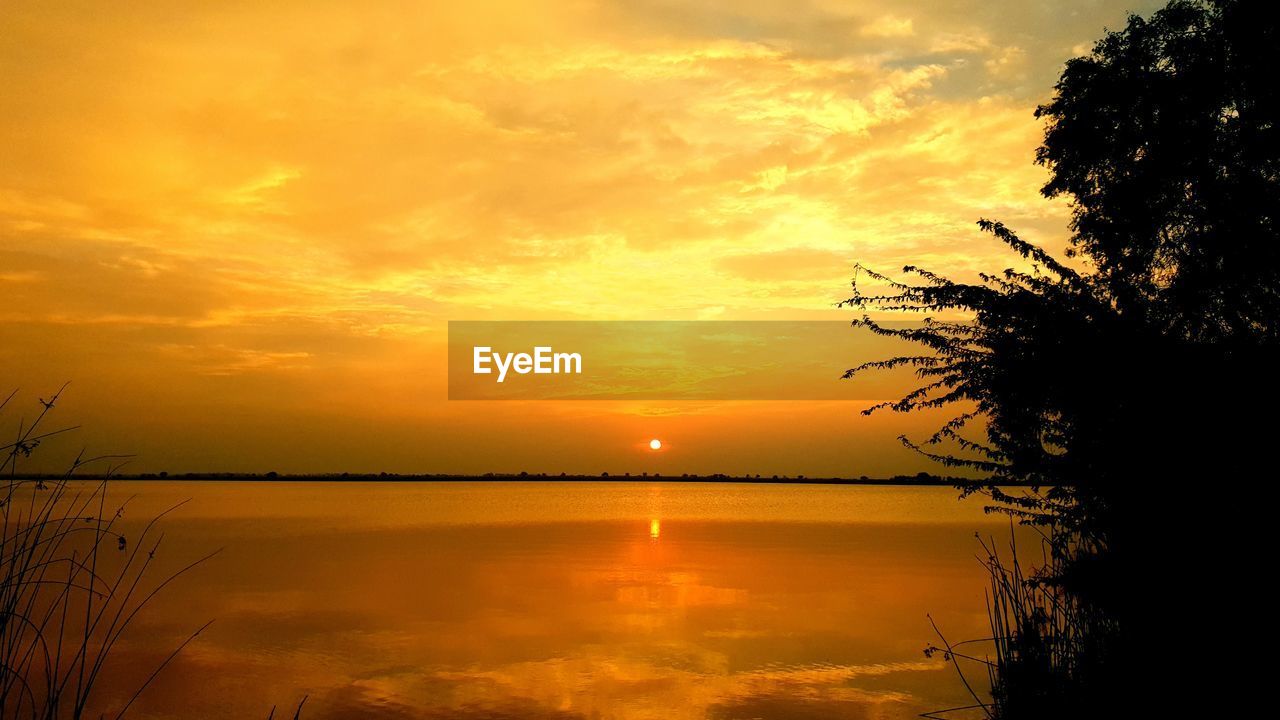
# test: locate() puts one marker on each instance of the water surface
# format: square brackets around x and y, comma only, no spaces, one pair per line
[555,600]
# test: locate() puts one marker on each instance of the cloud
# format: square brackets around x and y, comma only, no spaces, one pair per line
[224,181]
[223,360]
[889,26]
[794,264]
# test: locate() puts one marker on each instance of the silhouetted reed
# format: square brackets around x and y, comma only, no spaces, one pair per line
[297,714]
[1050,652]
[71,582]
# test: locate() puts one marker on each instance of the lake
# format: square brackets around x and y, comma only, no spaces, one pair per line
[554,600]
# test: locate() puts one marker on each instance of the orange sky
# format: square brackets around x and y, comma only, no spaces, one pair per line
[240,228]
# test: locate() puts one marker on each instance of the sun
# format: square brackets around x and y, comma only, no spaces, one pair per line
[655,444]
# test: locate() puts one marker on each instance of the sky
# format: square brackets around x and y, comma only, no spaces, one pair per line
[239,229]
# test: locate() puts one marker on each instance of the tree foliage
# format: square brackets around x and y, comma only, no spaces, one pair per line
[1123,386]
[1164,140]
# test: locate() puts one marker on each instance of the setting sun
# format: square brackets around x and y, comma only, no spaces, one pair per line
[655,444]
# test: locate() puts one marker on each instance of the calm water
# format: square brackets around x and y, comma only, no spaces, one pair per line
[556,600]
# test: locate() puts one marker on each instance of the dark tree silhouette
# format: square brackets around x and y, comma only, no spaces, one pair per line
[1165,139]
[1122,386]
[1020,367]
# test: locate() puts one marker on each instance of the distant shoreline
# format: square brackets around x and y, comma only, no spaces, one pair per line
[922,479]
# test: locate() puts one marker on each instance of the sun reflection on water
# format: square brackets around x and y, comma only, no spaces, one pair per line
[547,600]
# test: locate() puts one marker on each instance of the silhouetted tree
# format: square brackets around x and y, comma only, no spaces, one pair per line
[1164,139]
[1115,387]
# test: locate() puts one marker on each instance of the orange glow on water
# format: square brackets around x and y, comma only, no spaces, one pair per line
[602,620]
